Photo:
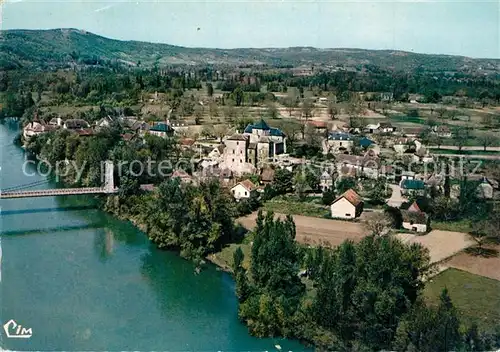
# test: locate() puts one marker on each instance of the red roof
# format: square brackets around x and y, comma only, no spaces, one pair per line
[187,141]
[85,132]
[249,185]
[181,174]
[414,208]
[351,196]
[317,124]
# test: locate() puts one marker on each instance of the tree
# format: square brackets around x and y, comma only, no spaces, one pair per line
[307,108]
[300,185]
[198,114]
[440,111]
[210,89]
[364,289]
[345,183]
[272,111]
[448,327]
[332,110]
[377,224]
[283,181]
[378,193]
[291,100]
[238,258]
[328,196]
[237,96]
[221,131]
[487,120]
[460,137]
[213,110]
[274,267]
[395,216]
[487,140]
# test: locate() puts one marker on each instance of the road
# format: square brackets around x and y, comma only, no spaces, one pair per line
[465,156]
[396,198]
[454,147]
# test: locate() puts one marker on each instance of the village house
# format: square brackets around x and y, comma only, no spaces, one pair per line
[35,128]
[348,206]
[267,175]
[412,132]
[442,131]
[415,98]
[325,181]
[386,96]
[217,152]
[412,187]
[367,165]
[372,128]
[318,126]
[365,142]
[386,127]
[183,176]
[161,129]
[56,121]
[76,124]
[104,122]
[243,189]
[416,221]
[79,126]
[337,142]
[485,188]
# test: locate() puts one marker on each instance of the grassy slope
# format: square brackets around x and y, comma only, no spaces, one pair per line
[477,297]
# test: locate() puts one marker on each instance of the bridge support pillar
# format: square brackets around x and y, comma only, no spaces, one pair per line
[109,183]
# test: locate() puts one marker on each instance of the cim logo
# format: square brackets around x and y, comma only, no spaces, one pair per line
[16,331]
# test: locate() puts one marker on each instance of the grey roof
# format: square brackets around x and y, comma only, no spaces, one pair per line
[339,136]
[237,137]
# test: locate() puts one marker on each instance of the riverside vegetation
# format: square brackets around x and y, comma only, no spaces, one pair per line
[365,296]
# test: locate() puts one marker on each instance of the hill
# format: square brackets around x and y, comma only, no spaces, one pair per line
[42,48]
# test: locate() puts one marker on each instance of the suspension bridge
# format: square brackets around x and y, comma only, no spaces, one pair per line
[22,191]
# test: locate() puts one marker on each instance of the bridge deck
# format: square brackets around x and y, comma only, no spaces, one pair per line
[52,192]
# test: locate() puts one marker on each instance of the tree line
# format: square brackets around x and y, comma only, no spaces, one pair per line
[362,296]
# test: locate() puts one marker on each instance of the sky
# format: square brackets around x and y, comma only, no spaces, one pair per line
[469,28]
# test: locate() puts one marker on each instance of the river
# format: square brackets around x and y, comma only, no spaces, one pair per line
[83,280]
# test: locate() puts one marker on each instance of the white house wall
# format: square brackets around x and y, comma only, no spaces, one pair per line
[343,209]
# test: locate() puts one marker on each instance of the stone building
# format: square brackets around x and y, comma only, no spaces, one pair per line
[256,147]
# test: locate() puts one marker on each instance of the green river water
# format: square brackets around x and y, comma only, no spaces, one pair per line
[83,280]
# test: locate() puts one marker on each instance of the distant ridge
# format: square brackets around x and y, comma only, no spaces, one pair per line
[64,46]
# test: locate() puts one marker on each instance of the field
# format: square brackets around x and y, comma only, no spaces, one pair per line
[476,297]
[480,265]
[312,230]
[457,226]
[297,208]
